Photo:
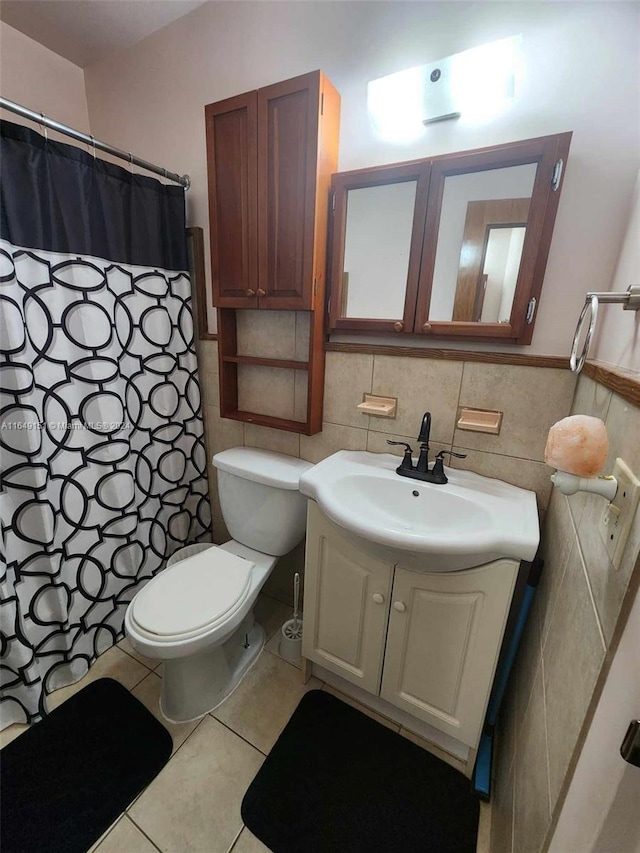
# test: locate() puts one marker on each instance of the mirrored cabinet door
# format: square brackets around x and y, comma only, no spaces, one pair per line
[378,221]
[452,246]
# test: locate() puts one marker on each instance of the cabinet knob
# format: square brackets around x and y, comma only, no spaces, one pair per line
[379,599]
[426,327]
[250,292]
[400,606]
[261,292]
[398,326]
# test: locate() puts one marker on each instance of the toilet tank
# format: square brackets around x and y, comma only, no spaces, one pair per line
[260,499]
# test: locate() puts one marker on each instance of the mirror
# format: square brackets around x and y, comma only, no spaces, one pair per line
[376,251]
[451,246]
[477,207]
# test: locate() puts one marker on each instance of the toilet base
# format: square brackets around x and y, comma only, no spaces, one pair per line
[192,686]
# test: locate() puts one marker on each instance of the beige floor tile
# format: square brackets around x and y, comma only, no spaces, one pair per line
[193,805]
[248,843]
[125,837]
[114,664]
[369,712]
[104,835]
[433,749]
[126,646]
[265,700]
[270,614]
[11,733]
[148,692]
[484,829]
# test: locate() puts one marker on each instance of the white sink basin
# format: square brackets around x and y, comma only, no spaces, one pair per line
[469,521]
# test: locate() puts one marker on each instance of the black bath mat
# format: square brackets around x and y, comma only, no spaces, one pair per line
[67,778]
[339,782]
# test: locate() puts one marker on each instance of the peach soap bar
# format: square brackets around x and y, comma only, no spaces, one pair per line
[578,445]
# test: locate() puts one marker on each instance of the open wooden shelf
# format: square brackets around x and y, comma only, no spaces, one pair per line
[290,364]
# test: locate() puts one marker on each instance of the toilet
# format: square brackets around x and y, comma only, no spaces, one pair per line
[197,614]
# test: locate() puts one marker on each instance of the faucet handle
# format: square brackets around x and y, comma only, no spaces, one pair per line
[441,453]
[407,461]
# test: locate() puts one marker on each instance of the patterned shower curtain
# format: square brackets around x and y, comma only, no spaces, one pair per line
[103,462]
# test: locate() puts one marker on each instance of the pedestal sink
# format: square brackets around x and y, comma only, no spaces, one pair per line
[466,522]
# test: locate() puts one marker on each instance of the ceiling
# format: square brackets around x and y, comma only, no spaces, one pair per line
[85,31]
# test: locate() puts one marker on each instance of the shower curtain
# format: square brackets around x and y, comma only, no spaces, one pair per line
[103,462]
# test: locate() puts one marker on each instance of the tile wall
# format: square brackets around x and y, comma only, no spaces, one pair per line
[565,642]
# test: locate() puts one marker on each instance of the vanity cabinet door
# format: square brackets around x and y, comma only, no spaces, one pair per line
[346,605]
[232,146]
[444,638]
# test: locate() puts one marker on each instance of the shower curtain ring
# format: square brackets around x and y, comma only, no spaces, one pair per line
[93,145]
[131,161]
[44,126]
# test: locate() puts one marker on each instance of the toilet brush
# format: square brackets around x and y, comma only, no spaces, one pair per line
[291,639]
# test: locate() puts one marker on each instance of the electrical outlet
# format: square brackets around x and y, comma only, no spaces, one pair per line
[617,517]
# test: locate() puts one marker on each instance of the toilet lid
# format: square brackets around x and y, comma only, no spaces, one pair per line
[193,593]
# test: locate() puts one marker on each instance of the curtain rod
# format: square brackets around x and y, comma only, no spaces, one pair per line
[44,120]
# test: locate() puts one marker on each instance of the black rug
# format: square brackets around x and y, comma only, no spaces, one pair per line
[339,782]
[67,778]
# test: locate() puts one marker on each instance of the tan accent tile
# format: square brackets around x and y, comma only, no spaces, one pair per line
[269,334]
[524,473]
[532,814]
[572,655]
[531,398]
[314,448]
[271,614]
[126,646]
[369,712]
[347,377]
[421,385]
[272,439]
[303,334]
[300,395]
[528,662]
[505,745]
[210,388]
[194,803]
[11,733]
[502,815]
[377,443]
[208,357]
[221,433]
[259,709]
[483,844]
[248,843]
[148,692]
[125,836]
[266,390]
[214,495]
[115,664]
[557,538]
[220,532]
[442,754]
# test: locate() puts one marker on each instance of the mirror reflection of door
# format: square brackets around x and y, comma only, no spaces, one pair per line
[492,244]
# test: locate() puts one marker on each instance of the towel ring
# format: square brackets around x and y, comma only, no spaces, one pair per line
[590,303]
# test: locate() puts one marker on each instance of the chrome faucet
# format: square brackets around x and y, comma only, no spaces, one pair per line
[421,470]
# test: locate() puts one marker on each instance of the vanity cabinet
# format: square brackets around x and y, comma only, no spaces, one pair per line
[427,642]
[450,246]
[270,156]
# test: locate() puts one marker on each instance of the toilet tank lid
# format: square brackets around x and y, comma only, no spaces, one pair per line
[262,466]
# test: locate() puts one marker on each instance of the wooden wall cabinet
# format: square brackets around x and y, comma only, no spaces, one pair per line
[270,157]
[428,643]
[426,260]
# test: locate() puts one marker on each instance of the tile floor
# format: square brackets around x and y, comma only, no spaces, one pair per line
[193,805]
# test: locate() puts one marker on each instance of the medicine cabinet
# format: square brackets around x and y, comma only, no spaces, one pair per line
[450,246]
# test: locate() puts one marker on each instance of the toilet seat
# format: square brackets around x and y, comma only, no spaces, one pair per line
[193,596]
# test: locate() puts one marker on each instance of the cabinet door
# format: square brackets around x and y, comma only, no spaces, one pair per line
[346,605]
[288,121]
[444,638]
[232,151]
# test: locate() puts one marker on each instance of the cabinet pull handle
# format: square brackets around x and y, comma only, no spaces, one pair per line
[400,606]
[379,599]
[250,292]
[398,327]
[261,292]
[426,327]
